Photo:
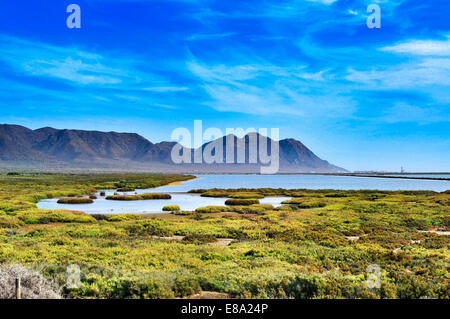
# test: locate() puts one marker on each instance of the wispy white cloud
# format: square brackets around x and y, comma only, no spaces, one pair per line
[91,79]
[421,47]
[416,74]
[70,64]
[269,89]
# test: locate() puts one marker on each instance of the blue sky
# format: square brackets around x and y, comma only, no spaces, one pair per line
[360,98]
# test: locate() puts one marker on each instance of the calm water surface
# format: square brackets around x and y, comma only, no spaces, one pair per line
[306,181]
[192,201]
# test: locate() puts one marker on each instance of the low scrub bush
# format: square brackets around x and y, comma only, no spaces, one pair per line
[215,194]
[122,217]
[155,196]
[150,227]
[125,189]
[212,209]
[302,203]
[246,202]
[171,208]
[246,195]
[54,216]
[252,209]
[147,196]
[336,195]
[286,208]
[199,239]
[123,197]
[75,200]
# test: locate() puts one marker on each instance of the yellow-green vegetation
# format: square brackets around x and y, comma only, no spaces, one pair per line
[75,200]
[212,209]
[287,252]
[245,195]
[125,189]
[241,201]
[171,208]
[251,209]
[147,196]
[302,202]
[214,194]
[229,193]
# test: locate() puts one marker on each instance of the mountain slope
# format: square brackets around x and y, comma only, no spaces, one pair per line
[72,148]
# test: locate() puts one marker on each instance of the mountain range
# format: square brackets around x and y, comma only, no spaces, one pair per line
[74,149]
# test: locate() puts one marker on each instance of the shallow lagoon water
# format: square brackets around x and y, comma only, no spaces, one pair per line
[189,202]
[306,181]
[193,201]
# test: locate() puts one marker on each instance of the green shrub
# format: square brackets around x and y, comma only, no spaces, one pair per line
[312,205]
[75,200]
[302,203]
[336,195]
[150,227]
[183,213]
[154,196]
[123,197]
[235,202]
[171,208]
[199,239]
[246,195]
[286,208]
[125,189]
[252,209]
[142,287]
[215,194]
[212,209]
[186,285]
[54,216]
[7,221]
[147,196]
[122,217]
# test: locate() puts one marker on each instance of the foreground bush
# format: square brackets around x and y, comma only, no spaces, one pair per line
[252,209]
[199,239]
[33,284]
[75,200]
[246,202]
[171,208]
[54,216]
[139,197]
[301,203]
[212,209]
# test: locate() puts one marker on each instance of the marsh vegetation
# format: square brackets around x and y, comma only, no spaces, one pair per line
[317,245]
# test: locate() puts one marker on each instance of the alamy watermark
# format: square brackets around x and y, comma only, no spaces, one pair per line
[214,147]
[373,276]
[74,19]
[374,19]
